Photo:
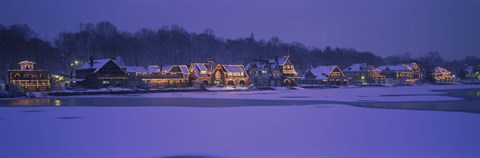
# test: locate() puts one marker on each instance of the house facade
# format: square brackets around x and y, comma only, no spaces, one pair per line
[402,73]
[364,74]
[28,79]
[441,75]
[231,75]
[272,72]
[101,73]
[201,72]
[175,76]
[324,75]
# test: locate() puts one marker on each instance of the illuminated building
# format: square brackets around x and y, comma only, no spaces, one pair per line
[402,73]
[364,74]
[441,75]
[272,72]
[101,73]
[28,79]
[201,72]
[175,76]
[231,75]
[324,75]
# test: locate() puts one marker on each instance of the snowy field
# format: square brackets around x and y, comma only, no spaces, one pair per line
[76,129]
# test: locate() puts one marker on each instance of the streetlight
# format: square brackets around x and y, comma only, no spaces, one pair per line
[76,62]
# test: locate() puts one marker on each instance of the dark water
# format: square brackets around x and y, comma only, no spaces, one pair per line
[470,102]
[120,102]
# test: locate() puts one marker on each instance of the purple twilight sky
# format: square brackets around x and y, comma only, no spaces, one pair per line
[385,27]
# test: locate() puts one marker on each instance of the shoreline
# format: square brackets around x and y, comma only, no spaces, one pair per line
[467,100]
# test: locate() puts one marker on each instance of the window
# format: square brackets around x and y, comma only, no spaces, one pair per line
[106,82]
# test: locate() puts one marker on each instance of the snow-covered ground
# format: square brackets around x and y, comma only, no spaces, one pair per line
[317,130]
[237,132]
[407,93]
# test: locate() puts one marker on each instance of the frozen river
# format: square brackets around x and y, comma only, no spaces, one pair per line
[420,121]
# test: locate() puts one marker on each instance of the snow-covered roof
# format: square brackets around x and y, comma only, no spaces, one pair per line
[179,69]
[282,60]
[409,66]
[131,69]
[198,67]
[393,68]
[201,67]
[321,72]
[166,68]
[234,68]
[260,64]
[356,67]
[97,64]
[360,67]
[153,68]
[439,70]
[184,69]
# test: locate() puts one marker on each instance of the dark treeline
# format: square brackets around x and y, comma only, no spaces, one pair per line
[174,45]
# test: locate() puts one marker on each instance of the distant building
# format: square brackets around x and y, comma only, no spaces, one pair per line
[232,75]
[472,72]
[272,72]
[324,75]
[364,74]
[441,75]
[135,70]
[28,79]
[101,73]
[175,76]
[402,73]
[201,72]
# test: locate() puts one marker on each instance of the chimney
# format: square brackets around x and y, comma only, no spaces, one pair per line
[276,59]
[161,68]
[261,57]
[91,62]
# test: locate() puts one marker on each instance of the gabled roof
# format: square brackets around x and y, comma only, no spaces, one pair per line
[166,68]
[153,68]
[439,70]
[198,67]
[360,67]
[321,72]
[201,67]
[97,64]
[356,67]
[130,69]
[234,68]
[184,69]
[409,66]
[282,60]
[260,64]
[179,69]
[393,68]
